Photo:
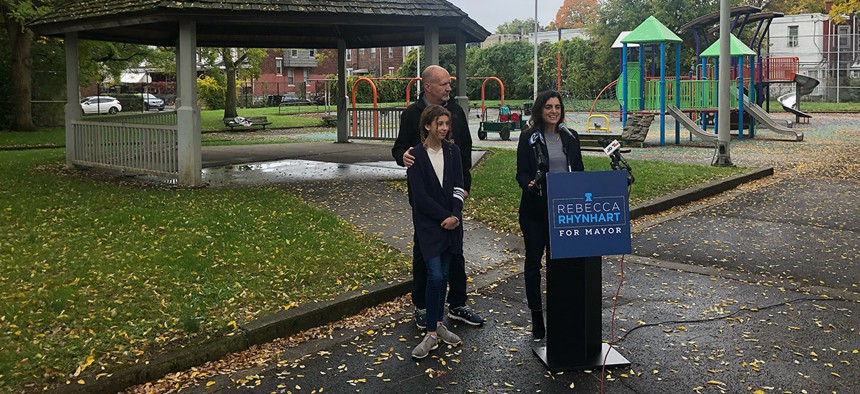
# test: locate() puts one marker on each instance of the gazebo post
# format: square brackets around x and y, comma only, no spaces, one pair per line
[431,45]
[462,98]
[342,116]
[187,113]
[73,96]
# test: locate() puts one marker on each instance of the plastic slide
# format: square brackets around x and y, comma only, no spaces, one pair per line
[761,116]
[690,124]
[805,85]
[789,104]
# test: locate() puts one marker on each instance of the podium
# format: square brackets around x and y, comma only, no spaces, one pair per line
[588,218]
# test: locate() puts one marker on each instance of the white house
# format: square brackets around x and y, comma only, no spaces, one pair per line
[826,51]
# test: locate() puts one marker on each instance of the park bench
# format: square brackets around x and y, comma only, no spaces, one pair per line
[246,122]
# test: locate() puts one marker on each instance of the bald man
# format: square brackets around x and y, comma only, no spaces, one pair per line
[436,83]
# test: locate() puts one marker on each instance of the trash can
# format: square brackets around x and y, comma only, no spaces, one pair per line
[527,109]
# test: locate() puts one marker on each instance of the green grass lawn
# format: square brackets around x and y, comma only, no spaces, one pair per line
[116,272]
[33,139]
[213,120]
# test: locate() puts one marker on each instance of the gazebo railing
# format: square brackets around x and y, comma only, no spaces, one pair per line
[160,118]
[374,123]
[144,144]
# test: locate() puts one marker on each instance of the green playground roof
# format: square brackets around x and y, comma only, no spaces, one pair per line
[650,31]
[736,48]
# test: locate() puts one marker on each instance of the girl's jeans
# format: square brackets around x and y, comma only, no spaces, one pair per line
[437,284]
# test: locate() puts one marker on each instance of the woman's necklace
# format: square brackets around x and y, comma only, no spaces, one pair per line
[553,141]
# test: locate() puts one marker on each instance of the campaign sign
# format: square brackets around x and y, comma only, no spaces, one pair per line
[588,214]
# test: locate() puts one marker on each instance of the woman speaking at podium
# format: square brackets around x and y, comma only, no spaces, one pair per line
[546,146]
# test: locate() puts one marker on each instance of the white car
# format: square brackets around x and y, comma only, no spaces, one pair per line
[100,105]
[150,101]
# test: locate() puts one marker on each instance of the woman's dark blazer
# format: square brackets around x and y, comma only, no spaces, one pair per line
[432,204]
[533,205]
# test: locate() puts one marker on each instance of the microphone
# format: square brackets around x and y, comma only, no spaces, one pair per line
[613,150]
[563,128]
[537,142]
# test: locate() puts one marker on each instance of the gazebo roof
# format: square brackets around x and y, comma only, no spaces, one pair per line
[263,23]
[650,31]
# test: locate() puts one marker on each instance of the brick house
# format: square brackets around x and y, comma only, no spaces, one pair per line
[303,71]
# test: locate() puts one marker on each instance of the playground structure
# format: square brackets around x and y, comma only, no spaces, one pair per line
[692,99]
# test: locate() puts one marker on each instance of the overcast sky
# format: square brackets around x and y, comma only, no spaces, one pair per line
[492,13]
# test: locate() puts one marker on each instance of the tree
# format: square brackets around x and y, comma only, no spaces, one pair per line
[234,61]
[576,13]
[843,8]
[517,26]
[792,7]
[100,60]
[15,14]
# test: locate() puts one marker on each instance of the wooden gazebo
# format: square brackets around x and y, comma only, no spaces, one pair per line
[169,144]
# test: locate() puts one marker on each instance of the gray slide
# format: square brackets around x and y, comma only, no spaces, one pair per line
[689,124]
[761,116]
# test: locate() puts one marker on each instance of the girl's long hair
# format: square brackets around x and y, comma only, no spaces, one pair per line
[536,120]
[430,114]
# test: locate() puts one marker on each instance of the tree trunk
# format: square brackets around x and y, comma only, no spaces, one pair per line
[230,71]
[20,96]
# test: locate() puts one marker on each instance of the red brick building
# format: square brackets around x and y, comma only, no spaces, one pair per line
[303,71]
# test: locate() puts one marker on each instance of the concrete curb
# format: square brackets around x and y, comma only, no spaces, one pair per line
[285,323]
[697,192]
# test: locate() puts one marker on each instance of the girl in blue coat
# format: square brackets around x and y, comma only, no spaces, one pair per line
[437,193]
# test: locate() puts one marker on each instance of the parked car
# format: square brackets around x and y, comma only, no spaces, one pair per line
[150,101]
[290,98]
[100,105]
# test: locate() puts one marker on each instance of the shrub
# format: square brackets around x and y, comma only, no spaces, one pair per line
[212,94]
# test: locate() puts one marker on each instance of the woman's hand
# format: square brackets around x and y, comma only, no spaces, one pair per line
[533,186]
[450,223]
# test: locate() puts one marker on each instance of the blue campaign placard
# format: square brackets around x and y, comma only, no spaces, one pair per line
[589,214]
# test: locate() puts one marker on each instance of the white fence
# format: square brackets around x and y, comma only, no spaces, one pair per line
[138,144]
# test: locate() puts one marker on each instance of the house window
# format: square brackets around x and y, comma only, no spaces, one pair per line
[844,37]
[291,79]
[312,53]
[361,51]
[294,53]
[305,75]
[349,55]
[390,70]
[279,66]
[792,36]
[349,72]
[390,53]
[373,53]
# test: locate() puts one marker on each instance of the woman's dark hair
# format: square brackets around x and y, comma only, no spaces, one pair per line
[536,120]
[430,114]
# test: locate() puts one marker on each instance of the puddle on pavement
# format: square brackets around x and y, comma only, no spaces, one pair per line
[299,170]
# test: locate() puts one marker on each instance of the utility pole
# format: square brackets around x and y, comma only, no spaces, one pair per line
[724,136]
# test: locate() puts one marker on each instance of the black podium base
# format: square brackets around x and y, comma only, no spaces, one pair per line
[614,359]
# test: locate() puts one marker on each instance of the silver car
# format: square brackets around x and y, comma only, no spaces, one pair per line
[150,101]
[101,105]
